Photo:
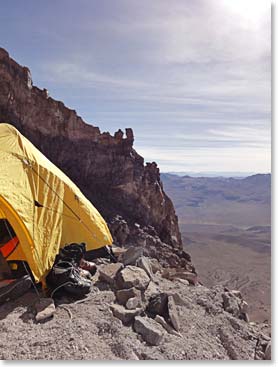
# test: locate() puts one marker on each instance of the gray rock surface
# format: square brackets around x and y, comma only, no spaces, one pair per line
[173,313]
[166,326]
[151,331]
[126,316]
[143,263]
[132,276]
[267,354]
[131,255]
[133,303]
[122,295]
[109,272]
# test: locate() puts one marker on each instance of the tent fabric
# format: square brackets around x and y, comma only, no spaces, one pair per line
[44,207]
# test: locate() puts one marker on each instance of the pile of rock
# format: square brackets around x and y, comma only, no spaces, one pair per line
[139,301]
[235,304]
[147,238]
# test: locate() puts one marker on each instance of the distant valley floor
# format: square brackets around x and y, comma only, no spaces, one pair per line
[236,258]
[225,225]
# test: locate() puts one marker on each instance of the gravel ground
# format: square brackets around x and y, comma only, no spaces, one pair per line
[89,331]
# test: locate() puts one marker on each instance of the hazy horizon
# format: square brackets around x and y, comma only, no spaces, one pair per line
[192,79]
[214,173]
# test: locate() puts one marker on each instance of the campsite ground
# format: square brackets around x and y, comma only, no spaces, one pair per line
[89,331]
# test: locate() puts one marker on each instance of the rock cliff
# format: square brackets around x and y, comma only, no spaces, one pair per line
[106,168]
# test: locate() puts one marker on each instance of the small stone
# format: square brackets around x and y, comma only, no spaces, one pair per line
[133,303]
[126,316]
[109,272]
[150,330]
[45,308]
[123,295]
[173,313]
[132,276]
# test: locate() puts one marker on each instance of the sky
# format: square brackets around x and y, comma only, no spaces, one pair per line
[191,77]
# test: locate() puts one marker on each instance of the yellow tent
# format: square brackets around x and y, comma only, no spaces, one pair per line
[44,207]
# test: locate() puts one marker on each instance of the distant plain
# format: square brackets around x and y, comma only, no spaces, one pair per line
[226,227]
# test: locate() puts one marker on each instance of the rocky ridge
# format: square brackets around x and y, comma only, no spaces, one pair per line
[106,168]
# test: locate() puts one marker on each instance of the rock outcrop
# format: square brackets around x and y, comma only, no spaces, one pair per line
[106,168]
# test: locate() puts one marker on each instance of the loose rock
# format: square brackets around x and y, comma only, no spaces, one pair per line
[267,354]
[123,295]
[231,303]
[173,313]
[158,305]
[126,316]
[109,272]
[151,290]
[133,303]
[131,255]
[144,264]
[166,326]
[45,309]
[150,330]
[155,265]
[131,276]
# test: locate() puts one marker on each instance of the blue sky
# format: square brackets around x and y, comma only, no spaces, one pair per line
[191,77]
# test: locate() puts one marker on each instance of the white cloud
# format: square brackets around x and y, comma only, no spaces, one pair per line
[197,72]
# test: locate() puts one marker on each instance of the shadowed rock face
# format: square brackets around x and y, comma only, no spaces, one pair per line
[106,168]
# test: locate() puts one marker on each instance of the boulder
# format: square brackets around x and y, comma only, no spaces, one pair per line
[123,295]
[126,316]
[45,309]
[132,276]
[173,313]
[149,329]
[108,272]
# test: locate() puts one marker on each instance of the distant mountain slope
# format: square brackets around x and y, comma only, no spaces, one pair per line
[219,200]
